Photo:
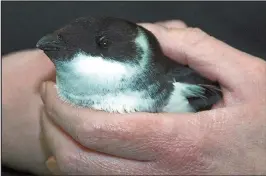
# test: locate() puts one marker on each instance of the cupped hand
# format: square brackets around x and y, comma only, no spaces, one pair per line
[229,139]
[22,145]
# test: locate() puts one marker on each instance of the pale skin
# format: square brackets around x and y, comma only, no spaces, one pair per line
[230,139]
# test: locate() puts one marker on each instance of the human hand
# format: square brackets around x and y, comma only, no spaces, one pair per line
[229,139]
[22,75]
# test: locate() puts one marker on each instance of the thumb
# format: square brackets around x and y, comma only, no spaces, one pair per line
[209,56]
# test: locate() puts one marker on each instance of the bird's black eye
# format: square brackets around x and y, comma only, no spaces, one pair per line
[102,41]
[59,37]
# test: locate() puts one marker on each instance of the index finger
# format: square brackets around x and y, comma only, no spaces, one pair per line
[139,136]
[209,56]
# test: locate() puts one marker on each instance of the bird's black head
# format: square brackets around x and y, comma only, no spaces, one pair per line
[97,55]
[106,37]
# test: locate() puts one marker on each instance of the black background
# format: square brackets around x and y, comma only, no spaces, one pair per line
[240,24]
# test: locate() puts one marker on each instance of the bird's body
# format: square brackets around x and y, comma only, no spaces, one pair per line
[101,87]
[117,66]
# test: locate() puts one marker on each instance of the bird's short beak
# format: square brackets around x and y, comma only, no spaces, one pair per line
[49,42]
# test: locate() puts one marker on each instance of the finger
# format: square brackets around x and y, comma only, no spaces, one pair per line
[92,129]
[211,57]
[172,24]
[33,58]
[182,140]
[139,136]
[72,158]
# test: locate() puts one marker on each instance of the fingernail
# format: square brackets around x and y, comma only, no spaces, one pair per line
[51,165]
[43,91]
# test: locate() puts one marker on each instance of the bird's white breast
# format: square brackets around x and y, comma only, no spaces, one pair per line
[101,70]
[97,80]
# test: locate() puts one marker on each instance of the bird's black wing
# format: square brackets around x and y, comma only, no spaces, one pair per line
[211,90]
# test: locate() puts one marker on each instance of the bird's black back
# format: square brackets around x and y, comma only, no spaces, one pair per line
[176,72]
[184,74]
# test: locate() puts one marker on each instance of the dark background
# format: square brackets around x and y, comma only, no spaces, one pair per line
[240,24]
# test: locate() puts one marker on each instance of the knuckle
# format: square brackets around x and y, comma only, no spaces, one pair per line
[122,127]
[146,124]
[259,65]
[180,23]
[67,161]
[259,70]
[195,36]
[87,133]
[196,30]
[173,24]
[262,69]
[99,131]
